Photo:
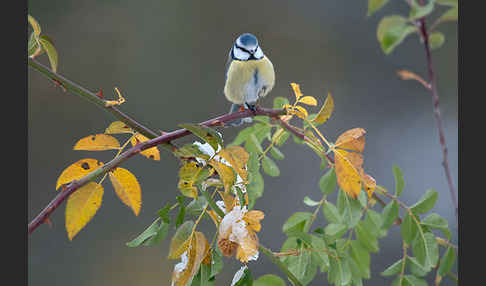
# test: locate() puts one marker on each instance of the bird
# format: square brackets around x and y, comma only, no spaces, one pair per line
[249,75]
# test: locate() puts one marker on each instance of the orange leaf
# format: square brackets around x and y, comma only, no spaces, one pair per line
[118,127]
[81,206]
[237,157]
[326,111]
[78,170]
[352,139]
[309,100]
[296,89]
[98,142]
[127,188]
[407,75]
[151,153]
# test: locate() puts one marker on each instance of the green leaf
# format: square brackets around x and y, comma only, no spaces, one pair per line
[196,206]
[373,223]
[190,150]
[179,240]
[255,188]
[393,269]
[375,5]
[447,261]
[276,153]
[49,48]
[408,229]
[434,221]
[216,262]
[269,167]
[436,39]
[281,140]
[242,136]
[339,272]
[426,250]
[452,3]
[279,102]
[155,233]
[35,25]
[310,202]
[399,182]
[203,277]
[331,213]
[164,213]
[415,267]
[269,280]
[414,281]
[261,118]
[426,202]
[417,11]
[302,267]
[319,244]
[449,15]
[335,230]
[392,30]
[32,45]
[352,211]
[241,196]
[242,279]
[366,238]
[205,133]
[389,214]
[180,215]
[253,145]
[295,223]
[361,257]
[328,182]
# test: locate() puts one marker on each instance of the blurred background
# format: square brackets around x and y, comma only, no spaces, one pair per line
[168,60]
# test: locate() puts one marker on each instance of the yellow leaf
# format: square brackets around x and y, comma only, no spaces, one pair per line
[352,139]
[127,188]
[188,175]
[151,153]
[196,254]
[370,184]
[118,127]
[78,170]
[81,206]
[309,100]
[300,112]
[35,25]
[228,200]
[253,219]
[237,157]
[98,142]
[225,174]
[348,166]
[326,111]
[296,89]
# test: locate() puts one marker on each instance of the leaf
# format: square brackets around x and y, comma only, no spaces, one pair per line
[242,277]
[49,48]
[279,102]
[418,11]
[276,153]
[335,230]
[426,202]
[269,280]
[188,175]
[373,223]
[196,206]
[309,100]
[35,25]
[366,239]
[331,213]
[326,110]
[238,158]
[33,45]
[389,214]
[407,75]
[436,39]
[295,223]
[81,206]
[434,221]
[97,142]
[255,189]
[155,233]
[225,173]
[181,240]
[415,267]
[408,229]
[452,3]
[446,262]
[352,211]
[197,252]
[242,136]
[310,202]
[207,134]
[414,281]
[216,261]
[393,269]
[339,271]
[449,15]
[319,245]
[181,214]
[300,112]
[392,30]
[164,213]
[426,250]
[151,153]
[375,5]
[78,170]
[296,89]
[361,257]
[327,183]
[127,188]
[118,127]
[269,167]
[399,182]
[253,145]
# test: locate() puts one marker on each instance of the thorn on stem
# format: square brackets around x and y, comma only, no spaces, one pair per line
[58,83]
[100,93]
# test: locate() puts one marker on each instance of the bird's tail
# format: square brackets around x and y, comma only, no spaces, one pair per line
[237,122]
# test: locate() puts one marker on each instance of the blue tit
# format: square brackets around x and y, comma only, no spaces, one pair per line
[249,75]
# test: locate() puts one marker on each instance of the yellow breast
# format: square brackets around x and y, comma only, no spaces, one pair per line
[241,75]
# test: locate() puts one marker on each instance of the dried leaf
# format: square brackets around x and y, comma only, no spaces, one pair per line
[127,188]
[225,174]
[151,153]
[81,206]
[237,157]
[196,254]
[296,89]
[352,139]
[97,142]
[118,127]
[309,100]
[348,167]
[406,75]
[325,112]
[78,170]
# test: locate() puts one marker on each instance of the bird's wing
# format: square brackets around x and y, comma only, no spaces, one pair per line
[228,62]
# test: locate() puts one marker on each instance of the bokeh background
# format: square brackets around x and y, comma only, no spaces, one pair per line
[168,59]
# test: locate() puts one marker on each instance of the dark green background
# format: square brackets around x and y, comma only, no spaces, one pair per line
[168,60]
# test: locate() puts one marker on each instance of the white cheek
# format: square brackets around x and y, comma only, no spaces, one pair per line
[240,54]
[259,53]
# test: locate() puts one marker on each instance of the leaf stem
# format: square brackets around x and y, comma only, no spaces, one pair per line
[279,264]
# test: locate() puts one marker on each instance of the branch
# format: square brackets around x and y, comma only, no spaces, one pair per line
[167,137]
[435,102]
